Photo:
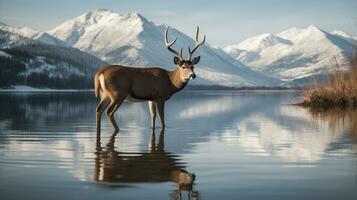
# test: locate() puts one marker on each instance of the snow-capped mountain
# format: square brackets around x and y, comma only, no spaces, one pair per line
[289,58]
[133,40]
[347,36]
[295,54]
[32,34]
[28,62]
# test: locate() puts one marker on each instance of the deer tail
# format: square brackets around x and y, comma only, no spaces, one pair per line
[96,84]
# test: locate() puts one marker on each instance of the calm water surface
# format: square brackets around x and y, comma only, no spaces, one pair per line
[217,145]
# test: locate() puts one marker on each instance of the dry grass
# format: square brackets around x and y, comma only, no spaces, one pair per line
[339,91]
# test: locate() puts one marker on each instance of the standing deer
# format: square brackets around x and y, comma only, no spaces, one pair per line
[115,83]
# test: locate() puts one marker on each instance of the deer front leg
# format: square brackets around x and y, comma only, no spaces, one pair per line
[152,108]
[160,105]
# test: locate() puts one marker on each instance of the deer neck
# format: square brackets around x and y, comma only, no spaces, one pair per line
[176,81]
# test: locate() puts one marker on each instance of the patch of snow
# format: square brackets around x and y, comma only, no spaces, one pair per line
[4,54]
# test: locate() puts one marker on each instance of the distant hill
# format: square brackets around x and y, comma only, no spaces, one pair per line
[25,61]
[30,33]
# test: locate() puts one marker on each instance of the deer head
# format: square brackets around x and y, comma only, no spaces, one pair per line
[185,67]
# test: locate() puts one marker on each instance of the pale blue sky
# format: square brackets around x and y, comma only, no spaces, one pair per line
[224,21]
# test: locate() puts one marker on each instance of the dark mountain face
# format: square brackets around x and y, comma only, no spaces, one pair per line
[27,62]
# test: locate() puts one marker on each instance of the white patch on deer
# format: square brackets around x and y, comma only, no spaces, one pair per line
[185,80]
[102,83]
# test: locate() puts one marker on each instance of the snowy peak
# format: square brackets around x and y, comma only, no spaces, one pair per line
[311,33]
[105,16]
[96,15]
[32,34]
[315,40]
[314,29]
[98,24]
[260,42]
[295,53]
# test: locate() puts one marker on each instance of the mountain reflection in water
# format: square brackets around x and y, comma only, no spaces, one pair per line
[338,119]
[238,144]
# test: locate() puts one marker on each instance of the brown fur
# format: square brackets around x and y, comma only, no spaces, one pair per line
[141,83]
[146,84]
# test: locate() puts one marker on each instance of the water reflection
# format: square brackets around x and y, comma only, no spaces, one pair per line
[290,134]
[232,141]
[259,123]
[37,111]
[154,166]
[338,119]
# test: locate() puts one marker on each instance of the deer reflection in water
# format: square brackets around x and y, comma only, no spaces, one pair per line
[154,166]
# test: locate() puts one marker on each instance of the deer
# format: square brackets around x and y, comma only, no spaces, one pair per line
[116,83]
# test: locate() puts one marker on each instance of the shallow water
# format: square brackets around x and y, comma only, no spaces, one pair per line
[217,145]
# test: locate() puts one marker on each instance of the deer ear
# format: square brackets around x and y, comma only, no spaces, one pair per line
[195,60]
[177,60]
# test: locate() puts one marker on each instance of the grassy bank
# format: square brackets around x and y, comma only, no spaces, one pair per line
[340,90]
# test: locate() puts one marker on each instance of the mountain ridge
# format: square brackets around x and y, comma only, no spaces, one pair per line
[307,52]
[27,32]
[287,58]
[130,39]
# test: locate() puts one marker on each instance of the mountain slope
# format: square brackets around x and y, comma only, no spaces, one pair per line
[32,34]
[133,40]
[294,54]
[28,62]
[347,36]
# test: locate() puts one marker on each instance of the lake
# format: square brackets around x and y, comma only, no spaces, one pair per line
[217,145]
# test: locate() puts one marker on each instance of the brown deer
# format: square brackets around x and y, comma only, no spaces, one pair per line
[115,83]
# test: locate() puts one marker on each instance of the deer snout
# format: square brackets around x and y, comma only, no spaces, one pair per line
[193,176]
[193,76]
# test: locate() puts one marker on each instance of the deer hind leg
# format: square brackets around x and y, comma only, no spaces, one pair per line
[114,105]
[160,105]
[103,104]
[152,108]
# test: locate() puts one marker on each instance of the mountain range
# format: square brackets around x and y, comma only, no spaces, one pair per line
[296,54]
[100,37]
[133,40]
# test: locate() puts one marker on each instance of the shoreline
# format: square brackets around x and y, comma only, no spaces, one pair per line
[24,89]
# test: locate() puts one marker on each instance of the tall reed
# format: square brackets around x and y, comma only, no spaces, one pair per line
[340,89]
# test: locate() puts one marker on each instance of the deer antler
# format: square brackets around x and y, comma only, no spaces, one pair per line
[169,44]
[197,43]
